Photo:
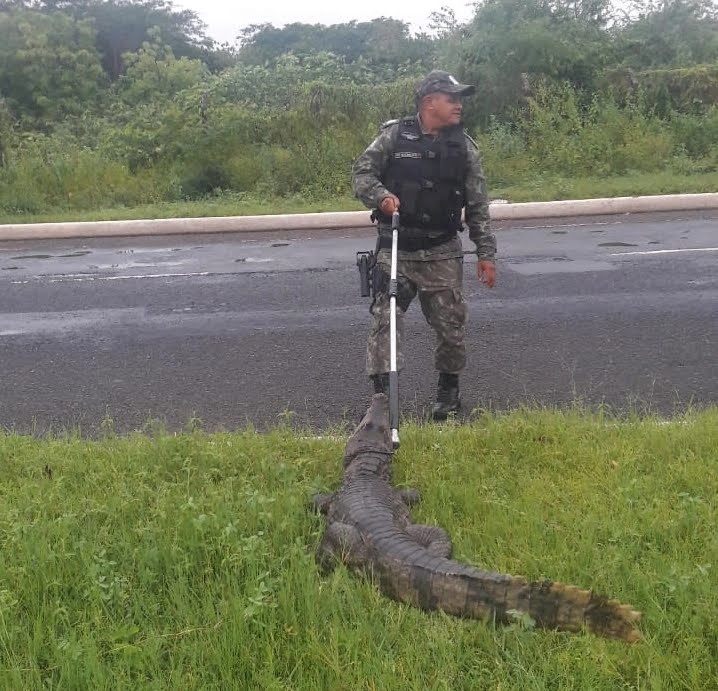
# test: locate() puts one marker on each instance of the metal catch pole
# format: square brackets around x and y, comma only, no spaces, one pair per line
[393,373]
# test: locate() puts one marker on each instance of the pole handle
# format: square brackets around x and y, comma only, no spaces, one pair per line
[395,221]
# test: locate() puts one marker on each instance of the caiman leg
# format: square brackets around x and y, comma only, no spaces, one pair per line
[410,496]
[321,502]
[341,542]
[434,538]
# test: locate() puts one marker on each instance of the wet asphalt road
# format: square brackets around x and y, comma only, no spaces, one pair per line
[261,329]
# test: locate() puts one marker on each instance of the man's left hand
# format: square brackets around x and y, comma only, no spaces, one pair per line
[486,270]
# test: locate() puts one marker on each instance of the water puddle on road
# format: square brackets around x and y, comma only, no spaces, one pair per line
[79,253]
[34,256]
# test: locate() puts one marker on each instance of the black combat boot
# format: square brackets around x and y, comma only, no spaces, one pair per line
[381,382]
[447,396]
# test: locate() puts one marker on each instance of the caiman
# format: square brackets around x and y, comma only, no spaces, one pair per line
[368,528]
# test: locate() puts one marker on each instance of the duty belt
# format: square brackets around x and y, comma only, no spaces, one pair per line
[414,244]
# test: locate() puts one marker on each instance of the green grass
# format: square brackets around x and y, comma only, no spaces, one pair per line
[224,205]
[557,188]
[540,189]
[186,561]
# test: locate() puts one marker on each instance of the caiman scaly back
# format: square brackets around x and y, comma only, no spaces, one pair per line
[368,527]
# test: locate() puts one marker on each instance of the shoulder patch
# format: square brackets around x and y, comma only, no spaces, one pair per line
[389,123]
[476,146]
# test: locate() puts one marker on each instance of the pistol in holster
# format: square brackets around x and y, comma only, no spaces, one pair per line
[366,261]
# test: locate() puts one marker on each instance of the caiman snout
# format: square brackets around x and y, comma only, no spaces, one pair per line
[378,412]
[373,432]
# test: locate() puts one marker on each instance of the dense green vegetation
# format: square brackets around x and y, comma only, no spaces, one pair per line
[122,103]
[186,561]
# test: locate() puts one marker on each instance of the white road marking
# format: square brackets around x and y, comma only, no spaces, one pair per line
[124,278]
[688,249]
[571,225]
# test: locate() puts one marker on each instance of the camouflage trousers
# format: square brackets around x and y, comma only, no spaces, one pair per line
[439,286]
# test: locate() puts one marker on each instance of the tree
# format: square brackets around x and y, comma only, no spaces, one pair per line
[153,73]
[511,44]
[669,33]
[123,26]
[443,22]
[49,66]
[382,41]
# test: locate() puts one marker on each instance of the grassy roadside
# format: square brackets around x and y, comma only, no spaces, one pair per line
[224,205]
[543,189]
[186,561]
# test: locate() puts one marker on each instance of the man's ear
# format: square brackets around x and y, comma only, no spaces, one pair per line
[427,101]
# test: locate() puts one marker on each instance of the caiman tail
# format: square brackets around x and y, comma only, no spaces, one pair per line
[465,591]
[370,529]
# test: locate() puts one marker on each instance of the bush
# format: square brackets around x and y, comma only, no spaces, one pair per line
[169,152]
[696,135]
[559,135]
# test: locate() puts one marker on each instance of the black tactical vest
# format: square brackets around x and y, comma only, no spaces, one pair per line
[428,176]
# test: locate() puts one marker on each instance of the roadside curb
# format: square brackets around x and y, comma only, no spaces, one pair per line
[346,219]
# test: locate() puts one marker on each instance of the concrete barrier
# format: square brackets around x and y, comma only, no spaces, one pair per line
[345,219]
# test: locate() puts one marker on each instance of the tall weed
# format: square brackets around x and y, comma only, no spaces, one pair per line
[164,152]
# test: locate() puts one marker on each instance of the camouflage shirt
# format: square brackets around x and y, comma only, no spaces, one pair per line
[368,187]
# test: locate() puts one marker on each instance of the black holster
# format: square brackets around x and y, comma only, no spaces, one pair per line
[366,262]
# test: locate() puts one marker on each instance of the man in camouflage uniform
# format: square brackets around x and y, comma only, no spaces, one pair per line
[427,168]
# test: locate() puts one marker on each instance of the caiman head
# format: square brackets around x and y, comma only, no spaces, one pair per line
[370,444]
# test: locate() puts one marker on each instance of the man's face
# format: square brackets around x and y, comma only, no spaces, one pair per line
[446,108]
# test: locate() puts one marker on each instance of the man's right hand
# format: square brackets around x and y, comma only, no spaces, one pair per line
[389,204]
[486,270]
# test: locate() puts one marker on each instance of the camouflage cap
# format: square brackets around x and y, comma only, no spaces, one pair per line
[438,80]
